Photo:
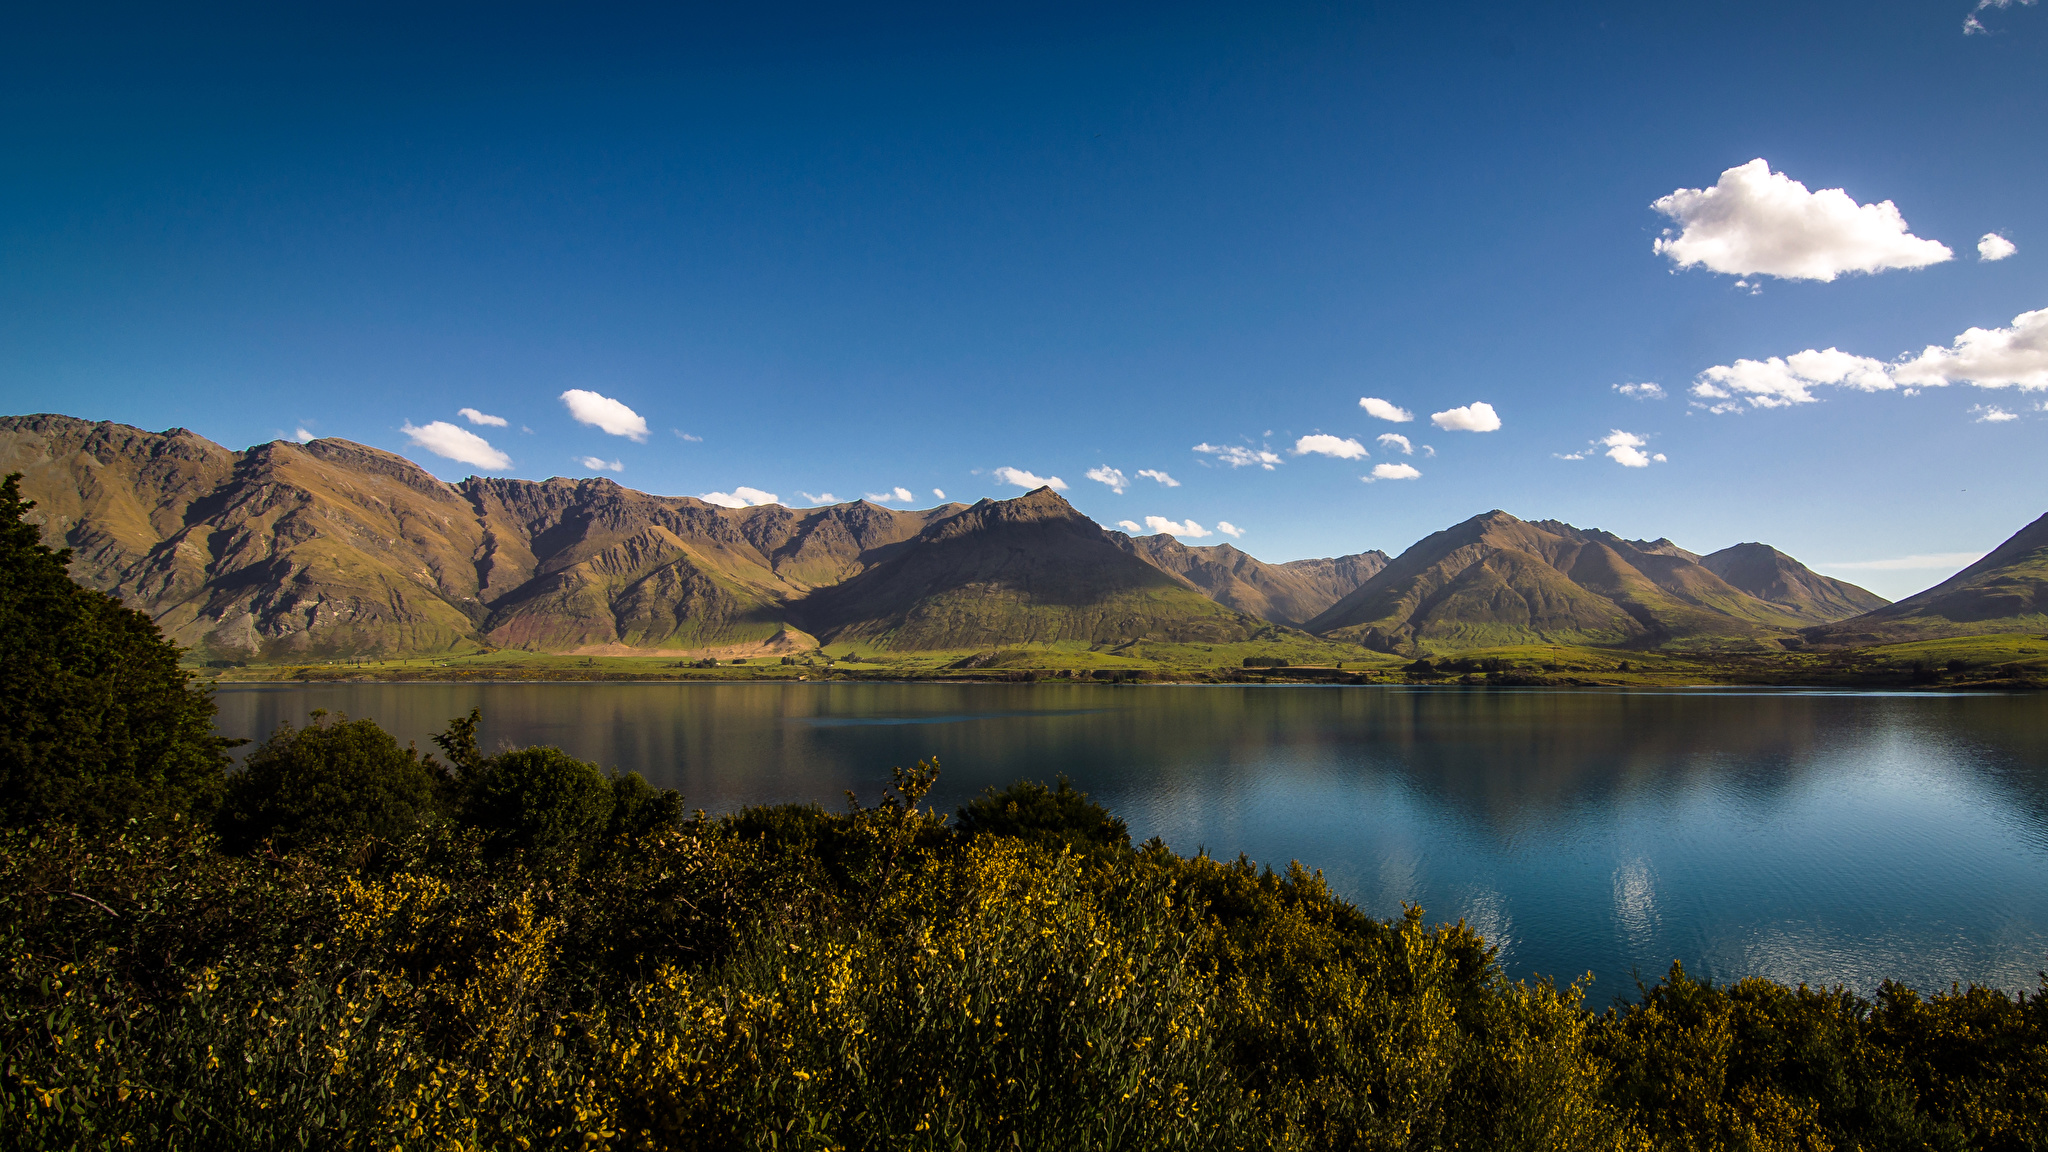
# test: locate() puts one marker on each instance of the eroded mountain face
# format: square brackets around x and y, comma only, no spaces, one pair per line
[332,548]
[1291,593]
[337,549]
[1498,580]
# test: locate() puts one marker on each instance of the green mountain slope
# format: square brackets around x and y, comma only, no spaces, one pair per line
[1498,580]
[1022,571]
[2006,591]
[1768,574]
[1283,593]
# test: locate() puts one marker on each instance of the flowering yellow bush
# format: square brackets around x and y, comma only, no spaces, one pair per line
[791,979]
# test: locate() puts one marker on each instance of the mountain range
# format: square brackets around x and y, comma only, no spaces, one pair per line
[331,549]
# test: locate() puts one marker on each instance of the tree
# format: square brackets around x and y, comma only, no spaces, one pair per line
[1052,816]
[540,800]
[98,724]
[346,778]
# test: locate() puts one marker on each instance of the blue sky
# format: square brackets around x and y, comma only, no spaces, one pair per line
[931,249]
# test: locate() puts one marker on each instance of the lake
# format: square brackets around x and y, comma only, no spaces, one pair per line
[1817,836]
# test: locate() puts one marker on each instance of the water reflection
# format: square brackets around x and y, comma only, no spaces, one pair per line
[1801,835]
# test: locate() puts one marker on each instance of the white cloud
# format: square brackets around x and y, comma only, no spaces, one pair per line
[476,417]
[1229,529]
[1993,414]
[1569,455]
[1325,445]
[1392,472]
[1625,449]
[1995,247]
[1780,382]
[1975,27]
[1396,440]
[1758,222]
[303,436]
[605,413]
[1238,457]
[940,493]
[1374,406]
[1428,451]
[460,444]
[682,435]
[1155,474]
[600,464]
[741,497]
[1910,563]
[1131,526]
[1641,391]
[1476,417]
[1106,475]
[820,498]
[899,494]
[1661,458]
[1190,530]
[1028,480]
[1987,357]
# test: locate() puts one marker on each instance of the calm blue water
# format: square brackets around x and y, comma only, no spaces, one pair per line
[1826,837]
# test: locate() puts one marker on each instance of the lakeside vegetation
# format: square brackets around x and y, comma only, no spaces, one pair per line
[351,944]
[1999,661]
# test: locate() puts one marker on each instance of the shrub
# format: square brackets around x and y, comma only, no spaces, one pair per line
[539,800]
[344,778]
[1054,817]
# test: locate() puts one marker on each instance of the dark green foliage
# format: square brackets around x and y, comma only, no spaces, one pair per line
[715,985]
[1264,662]
[1056,816]
[98,725]
[328,780]
[539,800]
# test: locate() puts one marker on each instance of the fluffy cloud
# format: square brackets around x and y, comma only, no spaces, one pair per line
[1993,414]
[1229,529]
[1758,222]
[1131,526]
[2015,357]
[1028,480]
[1324,445]
[1189,530]
[1641,391]
[476,417]
[600,464]
[898,494]
[445,439]
[1392,472]
[820,498]
[940,493]
[1476,417]
[1374,406]
[1626,449]
[741,497]
[303,436]
[1396,440]
[1780,382]
[1238,457]
[1995,247]
[1155,474]
[605,413]
[1116,480]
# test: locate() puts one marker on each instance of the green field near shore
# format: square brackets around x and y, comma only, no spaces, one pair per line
[1988,661]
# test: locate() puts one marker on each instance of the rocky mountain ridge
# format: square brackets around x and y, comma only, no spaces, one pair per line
[331,548]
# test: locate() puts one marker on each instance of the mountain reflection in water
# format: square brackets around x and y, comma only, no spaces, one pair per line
[1817,836]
